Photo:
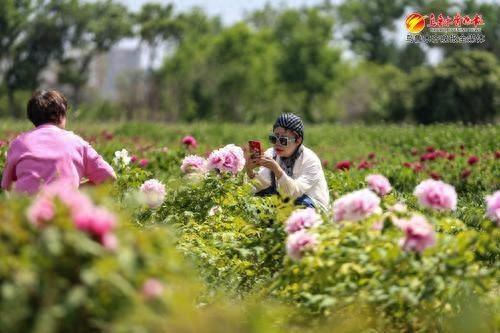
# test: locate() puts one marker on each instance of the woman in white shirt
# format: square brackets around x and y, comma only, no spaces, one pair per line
[290,168]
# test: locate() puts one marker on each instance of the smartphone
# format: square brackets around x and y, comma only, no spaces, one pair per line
[255,149]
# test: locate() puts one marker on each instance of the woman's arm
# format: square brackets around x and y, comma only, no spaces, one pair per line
[309,175]
[261,177]
[97,170]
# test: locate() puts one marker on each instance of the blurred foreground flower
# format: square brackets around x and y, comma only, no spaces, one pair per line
[302,219]
[300,242]
[419,234]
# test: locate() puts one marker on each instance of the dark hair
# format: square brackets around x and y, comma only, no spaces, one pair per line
[46,107]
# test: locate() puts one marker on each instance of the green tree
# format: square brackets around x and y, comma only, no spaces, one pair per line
[365,22]
[465,87]
[228,76]
[156,25]
[95,28]
[33,37]
[308,64]
[245,64]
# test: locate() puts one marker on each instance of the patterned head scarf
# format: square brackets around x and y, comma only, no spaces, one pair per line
[294,123]
[291,122]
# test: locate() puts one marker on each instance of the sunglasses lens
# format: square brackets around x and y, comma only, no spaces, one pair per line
[284,141]
[272,139]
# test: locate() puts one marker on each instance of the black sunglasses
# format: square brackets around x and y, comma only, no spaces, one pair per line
[283,140]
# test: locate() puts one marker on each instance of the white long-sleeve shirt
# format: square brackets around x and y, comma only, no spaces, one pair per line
[307,178]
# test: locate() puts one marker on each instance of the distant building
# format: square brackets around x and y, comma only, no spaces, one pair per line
[106,70]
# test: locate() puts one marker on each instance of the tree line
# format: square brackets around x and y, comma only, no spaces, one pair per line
[276,59]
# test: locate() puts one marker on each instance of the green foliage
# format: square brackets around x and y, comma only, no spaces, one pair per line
[56,278]
[465,87]
[212,240]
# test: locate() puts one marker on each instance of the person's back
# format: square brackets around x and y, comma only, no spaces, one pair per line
[48,152]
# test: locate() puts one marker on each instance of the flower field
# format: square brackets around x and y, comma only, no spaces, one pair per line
[179,243]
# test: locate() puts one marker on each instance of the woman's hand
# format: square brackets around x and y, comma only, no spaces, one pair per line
[250,163]
[271,164]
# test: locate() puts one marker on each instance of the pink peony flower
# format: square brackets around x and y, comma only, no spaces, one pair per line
[302,219]
[493,207]
[152,288]
[419,234]
[229,158]
[96,221]
[379,184]
[109,242]
[153,193]
[371,156]
[300,242]
[75,200]
[194,163]
[143,163]
[41,211]
[356,206]
[343,165]
[436,194]
[133,159]
[451,156]
[189,142]
[497,154]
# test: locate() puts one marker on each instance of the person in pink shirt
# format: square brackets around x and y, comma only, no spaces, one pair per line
[49,153]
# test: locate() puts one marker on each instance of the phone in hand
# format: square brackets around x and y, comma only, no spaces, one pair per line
[255,149]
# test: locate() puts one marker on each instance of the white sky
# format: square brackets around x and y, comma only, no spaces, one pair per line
[230,11]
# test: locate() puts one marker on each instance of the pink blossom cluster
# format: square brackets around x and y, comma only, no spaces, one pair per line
[436,194]
[300,242]
[152,288]
[302,219]
[227,159]
[95,221]
[194,163]
[152,193]
[379,184]
[493,207]
[189,142]
[419,234]
[356,206]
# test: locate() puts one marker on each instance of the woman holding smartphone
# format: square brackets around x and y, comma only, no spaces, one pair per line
[289,167]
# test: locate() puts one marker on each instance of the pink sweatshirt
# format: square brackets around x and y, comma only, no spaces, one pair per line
[48,153]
